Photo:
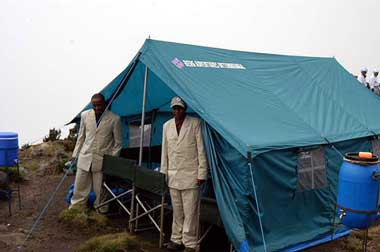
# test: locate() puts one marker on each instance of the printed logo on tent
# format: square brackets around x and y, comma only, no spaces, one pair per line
[205,64]
[178,63]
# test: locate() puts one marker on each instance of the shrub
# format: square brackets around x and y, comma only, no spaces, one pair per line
[54,135]
[25,147]
[14,175]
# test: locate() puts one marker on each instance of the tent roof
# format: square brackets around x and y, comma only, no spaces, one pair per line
[258,102]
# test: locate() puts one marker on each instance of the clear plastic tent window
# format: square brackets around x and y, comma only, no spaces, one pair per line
[311,170]
[135,132]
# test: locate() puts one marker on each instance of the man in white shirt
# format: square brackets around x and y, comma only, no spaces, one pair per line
[362,77]
[374,82]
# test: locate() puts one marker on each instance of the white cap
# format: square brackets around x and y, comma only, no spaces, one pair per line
[375,70]
[177,101]
[364,69]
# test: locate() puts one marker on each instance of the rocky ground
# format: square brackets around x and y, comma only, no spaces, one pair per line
[42,170]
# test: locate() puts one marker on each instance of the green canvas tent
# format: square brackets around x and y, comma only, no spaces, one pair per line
[295,115]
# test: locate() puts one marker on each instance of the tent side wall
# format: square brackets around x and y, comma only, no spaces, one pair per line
[289,216]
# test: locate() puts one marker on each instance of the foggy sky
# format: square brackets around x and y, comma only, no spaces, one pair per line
[55,54]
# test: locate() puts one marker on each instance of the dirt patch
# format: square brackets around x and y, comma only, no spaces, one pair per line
[353,242]
[52,233]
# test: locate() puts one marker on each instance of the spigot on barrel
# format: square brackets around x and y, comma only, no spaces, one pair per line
[342,214]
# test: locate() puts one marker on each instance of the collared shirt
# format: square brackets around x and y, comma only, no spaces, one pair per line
[97,119]
[373,81]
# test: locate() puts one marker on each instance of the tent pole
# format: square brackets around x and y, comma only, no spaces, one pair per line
[153,119]
[131,223]
[120,87]
[143,117]
[333,221]
[249,157]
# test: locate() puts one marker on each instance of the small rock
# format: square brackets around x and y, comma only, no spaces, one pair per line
[60,154]
[24,173]
[12,238]
[21,230]
[43,169]
[3,245]
[21,169]
[40,153]
[3,228]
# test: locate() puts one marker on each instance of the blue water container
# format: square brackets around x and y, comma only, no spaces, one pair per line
[8,148]
[358,191]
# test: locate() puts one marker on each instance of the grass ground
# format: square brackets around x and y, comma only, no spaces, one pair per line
[116,242]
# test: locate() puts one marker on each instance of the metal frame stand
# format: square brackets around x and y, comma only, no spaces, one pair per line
[115,197]
[368,213]
[365,240]
[143,209]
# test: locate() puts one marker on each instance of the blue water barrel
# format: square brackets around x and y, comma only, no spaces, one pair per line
[8,148]
[358,190]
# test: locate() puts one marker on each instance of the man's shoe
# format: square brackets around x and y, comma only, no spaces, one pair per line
[172,246]
[189,249]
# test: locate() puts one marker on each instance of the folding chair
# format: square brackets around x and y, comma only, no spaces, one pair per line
[149,195]
[118,172]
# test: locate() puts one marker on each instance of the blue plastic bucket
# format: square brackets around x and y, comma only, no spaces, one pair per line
[358,191]
[8,148]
